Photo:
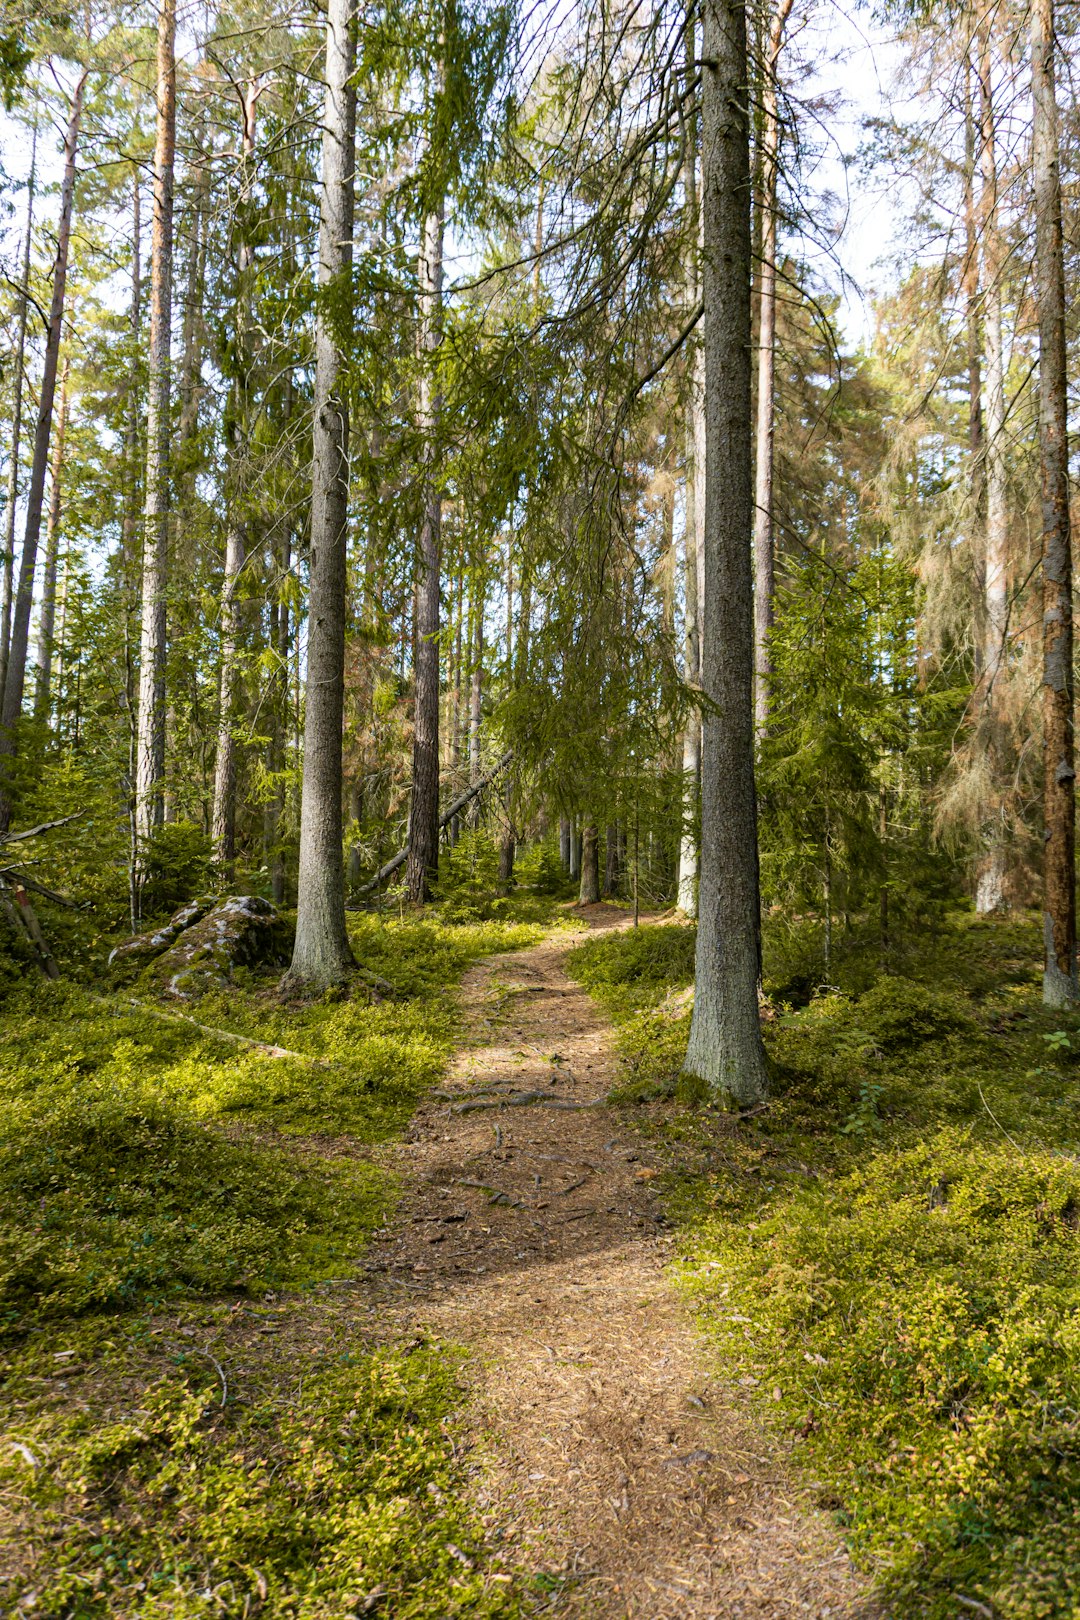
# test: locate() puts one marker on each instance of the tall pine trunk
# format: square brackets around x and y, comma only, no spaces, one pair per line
[150,729]
[1059,766]
[223,820]
[990,885]
[18,380]
[693,534]
[589,889]
[766,375]
[321,954]
[47,608]
[15,675]
[422,866]
[725,1053]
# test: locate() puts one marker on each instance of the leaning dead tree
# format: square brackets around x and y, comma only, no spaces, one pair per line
[454,808]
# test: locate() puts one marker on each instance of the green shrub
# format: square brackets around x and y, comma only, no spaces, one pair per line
[105,1200]
[177,867]
[920,1319]
[649,960]
[335,1491]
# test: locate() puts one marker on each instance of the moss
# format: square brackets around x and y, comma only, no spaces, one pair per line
[890,1254]
[320,1491]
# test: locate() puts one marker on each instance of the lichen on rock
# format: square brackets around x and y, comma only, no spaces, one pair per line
[198,949]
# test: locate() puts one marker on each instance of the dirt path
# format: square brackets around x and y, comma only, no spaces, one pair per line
[619,1472]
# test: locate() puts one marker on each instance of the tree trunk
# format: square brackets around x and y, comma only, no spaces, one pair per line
[693,536]
[47,608]
[725,1053]
[15,677]
[279,723]
[589,891]
[223,821]
[564,841]
[976,447]
[475,698]
[16,420]
[150,749]
[422,867]
[1059,807]
[575,850]
[990,893]
[766,375]
[223,818]
[321,954]
[611,861]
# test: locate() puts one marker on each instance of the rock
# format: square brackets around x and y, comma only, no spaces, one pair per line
[134,953]
[200,946]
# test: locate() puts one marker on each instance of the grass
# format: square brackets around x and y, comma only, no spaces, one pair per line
[159,1188]
[890,1252]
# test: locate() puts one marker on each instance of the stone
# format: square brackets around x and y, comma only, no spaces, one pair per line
[200,946]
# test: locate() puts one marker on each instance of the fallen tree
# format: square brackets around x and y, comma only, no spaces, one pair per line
[454,808]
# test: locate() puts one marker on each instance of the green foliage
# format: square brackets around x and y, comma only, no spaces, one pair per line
[177,860]
[890,1253]
[108,1199]
[309,1498]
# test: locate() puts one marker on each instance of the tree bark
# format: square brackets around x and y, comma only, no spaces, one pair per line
[422,867]
[990,893]
[15,676]
[589,890]
[766,375]
[1059,807]
[476,693]
[725,1054]
[150,747]
[223,821]
[611,860]
[564,841]
[976,446]
[321,954]
[18,380]
[47,608]
[693,530]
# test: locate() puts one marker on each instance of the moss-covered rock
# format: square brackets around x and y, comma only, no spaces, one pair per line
[199,947]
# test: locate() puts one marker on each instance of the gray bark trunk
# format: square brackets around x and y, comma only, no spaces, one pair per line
[1059,765]
[422,867]
[766,377]
[589,890]
[321,954]
[47,608]
[150,746]
[725,1055]
[990,890]
[16,422]
[15,677]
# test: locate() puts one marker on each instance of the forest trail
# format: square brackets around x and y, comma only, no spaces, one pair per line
[625,1479]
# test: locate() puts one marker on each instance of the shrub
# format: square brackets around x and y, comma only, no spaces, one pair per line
[108,1199]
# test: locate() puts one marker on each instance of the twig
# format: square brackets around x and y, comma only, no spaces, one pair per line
[42,827]
[1007,1137]
[218,1034]
[220,1372]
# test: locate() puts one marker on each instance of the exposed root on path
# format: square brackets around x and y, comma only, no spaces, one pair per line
[623,1478]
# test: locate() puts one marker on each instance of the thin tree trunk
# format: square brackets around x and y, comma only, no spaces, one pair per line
[589,891]
[279,722]
[422,867]
[611,860]
[321,954]
[990,893]
[976,446]
[693,537]
[150,749]
[47,608]
[15,677]
[223,820]
[564,841]
[18,380]
[223,816]
[725,1052]
[476,697]
[1059,765]
[766,374]
[575,850]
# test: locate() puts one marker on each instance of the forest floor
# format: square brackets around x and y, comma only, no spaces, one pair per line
[621,1473]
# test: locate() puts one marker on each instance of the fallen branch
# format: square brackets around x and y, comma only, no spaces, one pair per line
[218,1034]
[42,827]
[454,808]
[522,1099]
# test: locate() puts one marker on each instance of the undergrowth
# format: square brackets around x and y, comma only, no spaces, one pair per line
[889,1254]
[145,1163]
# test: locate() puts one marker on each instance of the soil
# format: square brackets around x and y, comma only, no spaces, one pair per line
[623,1476]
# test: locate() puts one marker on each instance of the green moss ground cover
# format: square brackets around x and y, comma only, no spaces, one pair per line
[891,1251]
[144,1164]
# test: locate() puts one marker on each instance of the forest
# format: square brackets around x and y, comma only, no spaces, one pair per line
[539,1006]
